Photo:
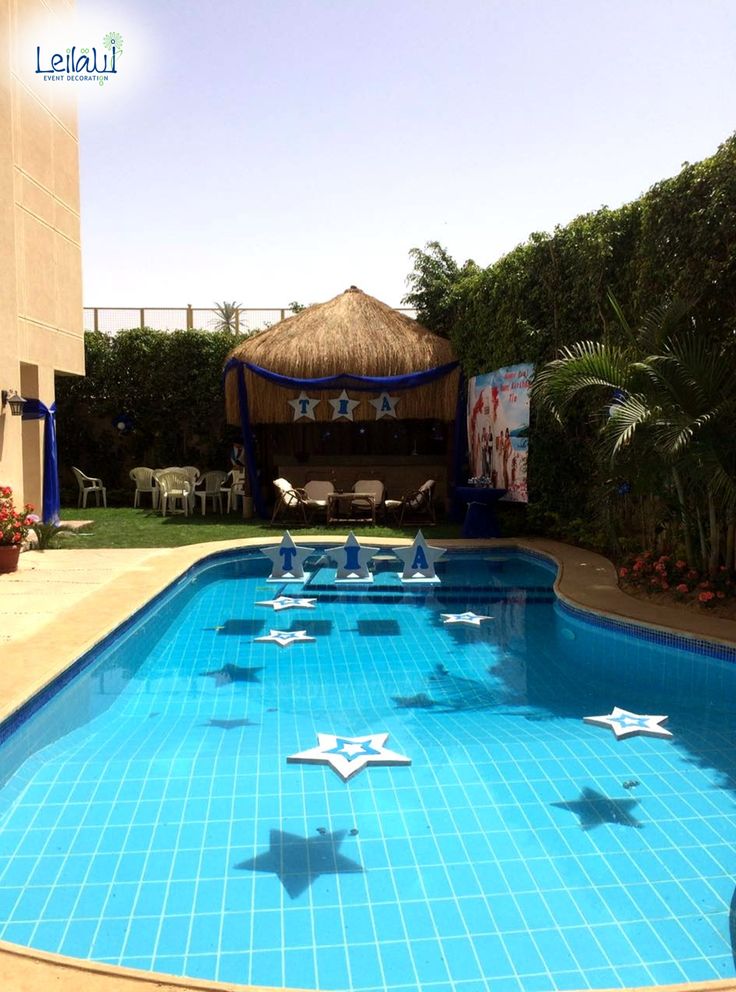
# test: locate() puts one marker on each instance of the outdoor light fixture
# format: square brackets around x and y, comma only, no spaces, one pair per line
[14,401]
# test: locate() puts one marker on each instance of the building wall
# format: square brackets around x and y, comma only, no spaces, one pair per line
[41,316]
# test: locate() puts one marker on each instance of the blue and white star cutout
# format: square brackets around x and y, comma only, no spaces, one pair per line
[625,724]
[288,603]
[419,560]
[385,405]
[343,406]
[348,755]
[472,619]
[304,407]
[285,638]
[288,560]
[352,560]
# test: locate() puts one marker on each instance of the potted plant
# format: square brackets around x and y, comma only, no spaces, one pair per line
[14,527]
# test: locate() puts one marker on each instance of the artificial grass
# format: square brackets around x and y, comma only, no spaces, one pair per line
[125,527]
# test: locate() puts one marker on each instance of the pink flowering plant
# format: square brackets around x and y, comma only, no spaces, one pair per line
[670,574]
[14,524]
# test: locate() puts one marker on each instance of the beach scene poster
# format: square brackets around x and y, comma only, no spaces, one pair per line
[498,422]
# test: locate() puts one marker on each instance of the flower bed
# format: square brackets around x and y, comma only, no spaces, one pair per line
[668,577]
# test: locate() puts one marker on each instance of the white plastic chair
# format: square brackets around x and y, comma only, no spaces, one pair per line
[89,484]
[175,488]
[210,487]
[234,487]
[145,482]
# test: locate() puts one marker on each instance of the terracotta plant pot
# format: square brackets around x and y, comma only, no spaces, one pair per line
[9,554]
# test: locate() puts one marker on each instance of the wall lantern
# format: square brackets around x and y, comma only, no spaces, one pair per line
[14,401]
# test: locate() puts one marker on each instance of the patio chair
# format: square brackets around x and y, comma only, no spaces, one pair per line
[317,492]
[89,484]
[234,487]
[175,488]
[290,501]
[145,482]
[374,488]
[416,505]
[209,486]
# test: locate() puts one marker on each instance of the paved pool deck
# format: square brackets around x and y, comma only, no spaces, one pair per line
[61,603]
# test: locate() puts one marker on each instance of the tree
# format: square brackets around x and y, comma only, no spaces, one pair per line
[433,286]
[227,317]
[669,393]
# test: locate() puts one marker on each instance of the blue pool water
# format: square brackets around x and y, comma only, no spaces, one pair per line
[148,816]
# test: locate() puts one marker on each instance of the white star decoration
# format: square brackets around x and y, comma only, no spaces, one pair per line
[304,406]
[352,560]
[285,637]
[385,405]
[348,755]
[288,560]
[625,724]
[289,603]
[474,619]
[419,560]
[343,406]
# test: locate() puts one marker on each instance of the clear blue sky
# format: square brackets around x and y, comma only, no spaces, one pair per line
[272,150]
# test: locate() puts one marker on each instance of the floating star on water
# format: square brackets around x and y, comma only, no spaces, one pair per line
[289,603]
[348,755]
[594,809]
[233,673]
[298,861]
[473,619]
[284,638]
[625,724]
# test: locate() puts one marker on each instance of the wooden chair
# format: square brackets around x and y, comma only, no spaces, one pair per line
[417,506]
[290,501]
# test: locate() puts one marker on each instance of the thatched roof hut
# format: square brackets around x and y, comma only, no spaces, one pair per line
[352,334]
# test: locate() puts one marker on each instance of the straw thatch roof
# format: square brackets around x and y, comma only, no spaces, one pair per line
[353,333]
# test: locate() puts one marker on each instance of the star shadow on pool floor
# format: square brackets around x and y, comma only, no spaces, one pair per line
[594,809]
[233,673]
[298,861]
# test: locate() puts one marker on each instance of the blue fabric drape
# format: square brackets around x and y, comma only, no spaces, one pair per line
[460,441]
[358,383]
[36,410]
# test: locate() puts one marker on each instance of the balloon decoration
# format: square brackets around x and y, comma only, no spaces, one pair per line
[123,423]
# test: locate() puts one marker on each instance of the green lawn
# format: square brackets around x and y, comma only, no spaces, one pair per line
[124,527]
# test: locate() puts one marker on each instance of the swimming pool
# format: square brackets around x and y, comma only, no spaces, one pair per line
[149,817]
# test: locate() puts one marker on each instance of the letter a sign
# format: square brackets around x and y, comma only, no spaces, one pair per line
[419,561]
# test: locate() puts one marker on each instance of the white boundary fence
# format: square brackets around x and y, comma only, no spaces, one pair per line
[110,320]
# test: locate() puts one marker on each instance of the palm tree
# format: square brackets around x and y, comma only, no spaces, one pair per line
[669,390]
[227,317]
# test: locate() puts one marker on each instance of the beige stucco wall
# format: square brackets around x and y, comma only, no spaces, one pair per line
[41,330]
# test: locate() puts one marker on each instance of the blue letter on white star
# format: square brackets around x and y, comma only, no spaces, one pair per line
[303,407]
[288,603]
[385,405]
[343,406]
[625,724]
[352,560]
[419,560]
[474,619]
[285,637]
[288,560]
[348,755]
